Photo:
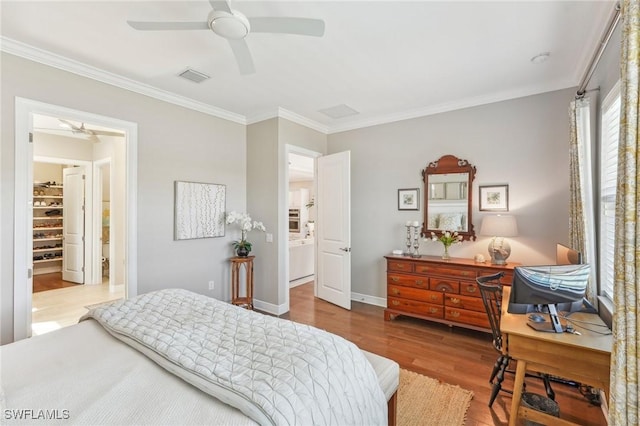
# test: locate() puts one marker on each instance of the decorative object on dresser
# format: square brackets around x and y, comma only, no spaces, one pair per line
[494,198]
[499,227]
[447,238]
[413,237]
[448,198]
[437,290]
[246,224]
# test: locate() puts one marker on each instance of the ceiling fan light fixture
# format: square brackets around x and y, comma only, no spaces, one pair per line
[232,25]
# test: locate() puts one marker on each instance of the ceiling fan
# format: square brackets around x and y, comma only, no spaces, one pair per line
[234,26]
[87,131]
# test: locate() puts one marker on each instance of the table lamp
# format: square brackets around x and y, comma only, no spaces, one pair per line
[499,227]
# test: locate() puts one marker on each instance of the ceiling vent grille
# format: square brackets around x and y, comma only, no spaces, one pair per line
[193,75]
[339,111]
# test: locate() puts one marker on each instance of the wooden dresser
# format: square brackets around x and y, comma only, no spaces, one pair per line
[440,290]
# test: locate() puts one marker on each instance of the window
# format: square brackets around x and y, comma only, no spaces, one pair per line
[610,125]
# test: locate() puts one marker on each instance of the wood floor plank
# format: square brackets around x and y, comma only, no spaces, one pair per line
[453,355]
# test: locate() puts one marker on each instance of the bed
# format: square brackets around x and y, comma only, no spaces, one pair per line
[176,357]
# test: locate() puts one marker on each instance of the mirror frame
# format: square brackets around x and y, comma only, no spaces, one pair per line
[449,164]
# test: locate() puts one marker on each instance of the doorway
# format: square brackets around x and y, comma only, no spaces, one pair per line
[75,122]
[300,198]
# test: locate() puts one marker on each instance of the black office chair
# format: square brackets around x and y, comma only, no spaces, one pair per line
[491,292]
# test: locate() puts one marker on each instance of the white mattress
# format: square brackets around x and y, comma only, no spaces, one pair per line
[98,380]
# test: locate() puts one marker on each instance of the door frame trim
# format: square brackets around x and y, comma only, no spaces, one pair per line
[284,228]
[23,201]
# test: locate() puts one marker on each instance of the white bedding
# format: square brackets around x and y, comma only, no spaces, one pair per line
[275,371]
[98,380]
[82,375]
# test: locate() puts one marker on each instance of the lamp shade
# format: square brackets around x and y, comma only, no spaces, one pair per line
[499,226]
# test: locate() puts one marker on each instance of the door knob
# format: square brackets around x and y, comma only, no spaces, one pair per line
[347,249]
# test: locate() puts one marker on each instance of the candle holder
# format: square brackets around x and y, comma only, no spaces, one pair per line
[408,242]
[416,243]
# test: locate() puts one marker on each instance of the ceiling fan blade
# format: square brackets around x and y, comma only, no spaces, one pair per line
[105,133]
[70,125]
[221,5]
[167,26]
[300,26]
[243,56]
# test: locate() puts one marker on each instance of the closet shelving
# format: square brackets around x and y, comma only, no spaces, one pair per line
[47,224]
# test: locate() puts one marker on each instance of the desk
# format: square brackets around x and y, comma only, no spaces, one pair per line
[236,264]
[585,359]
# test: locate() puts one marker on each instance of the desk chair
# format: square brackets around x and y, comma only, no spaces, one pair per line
[491,292]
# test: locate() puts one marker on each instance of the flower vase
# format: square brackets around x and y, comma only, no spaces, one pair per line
[445,255]
[242,252]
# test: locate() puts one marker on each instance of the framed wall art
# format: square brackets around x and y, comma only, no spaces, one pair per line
[494,198]
[199,210]
[408,199]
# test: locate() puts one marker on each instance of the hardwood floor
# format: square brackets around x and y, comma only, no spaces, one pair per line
[52,281]
[453,355]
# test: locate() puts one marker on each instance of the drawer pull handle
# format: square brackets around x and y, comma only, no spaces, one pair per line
[419,282]
[471,289]
[399,266]
[455,314]
[434,298]
[395,291]
[395,279]
[466,273]
[433,310]
[395,302]
[455,300]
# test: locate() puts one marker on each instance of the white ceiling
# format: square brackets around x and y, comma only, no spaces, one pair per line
[388,60]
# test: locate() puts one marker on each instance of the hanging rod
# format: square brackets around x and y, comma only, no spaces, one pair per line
[611,26]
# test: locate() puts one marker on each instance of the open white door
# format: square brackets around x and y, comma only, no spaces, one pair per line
[73,224]
[333,231]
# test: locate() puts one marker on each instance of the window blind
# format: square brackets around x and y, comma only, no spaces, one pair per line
[608,181]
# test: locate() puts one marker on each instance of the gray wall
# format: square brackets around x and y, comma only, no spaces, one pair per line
[522,143]
[174,143]
[267,191]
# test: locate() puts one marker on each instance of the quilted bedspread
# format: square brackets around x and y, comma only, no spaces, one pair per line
[273,370]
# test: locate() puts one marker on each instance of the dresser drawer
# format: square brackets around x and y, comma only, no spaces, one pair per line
[445,286]
[415,294]
[415,307]
[408,280]
[469,288]
[399,265]
[447,271]
[464,302]
[479,319]
[507,278]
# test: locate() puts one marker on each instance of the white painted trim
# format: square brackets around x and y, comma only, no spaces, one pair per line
[35,54]
[270,308]
[57,61]
[88,223]
[25,108]
[97,220]
[283,253]
[369,300]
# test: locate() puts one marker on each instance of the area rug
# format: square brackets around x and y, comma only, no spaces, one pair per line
[425,401]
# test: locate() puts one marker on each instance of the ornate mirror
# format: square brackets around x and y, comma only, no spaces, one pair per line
[448,184]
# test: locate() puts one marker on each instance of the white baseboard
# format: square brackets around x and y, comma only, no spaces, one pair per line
[369,300]
[269,307]
[300,281]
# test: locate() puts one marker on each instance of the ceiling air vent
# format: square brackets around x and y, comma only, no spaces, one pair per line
[339,111]
[194,76]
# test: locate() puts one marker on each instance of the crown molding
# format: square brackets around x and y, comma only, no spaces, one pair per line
[57,61]
[303,121]
[448,107]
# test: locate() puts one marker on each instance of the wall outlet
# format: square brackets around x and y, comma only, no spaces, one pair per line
[269,237]
[212,285]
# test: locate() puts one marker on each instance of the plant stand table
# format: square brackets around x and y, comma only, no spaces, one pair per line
[237,264]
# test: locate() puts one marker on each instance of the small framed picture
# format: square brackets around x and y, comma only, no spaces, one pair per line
[494,198]
[408,199]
